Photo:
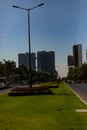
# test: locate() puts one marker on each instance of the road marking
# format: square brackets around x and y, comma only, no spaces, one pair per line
[81,110]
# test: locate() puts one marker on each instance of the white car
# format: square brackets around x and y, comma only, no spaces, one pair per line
[2,82]
[2,85]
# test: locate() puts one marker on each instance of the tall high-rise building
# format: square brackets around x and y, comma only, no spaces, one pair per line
[86,55]
[23,59]
[77,55]
[70,61]
[46,61]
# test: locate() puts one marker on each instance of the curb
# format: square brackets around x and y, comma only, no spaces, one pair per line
[77,95]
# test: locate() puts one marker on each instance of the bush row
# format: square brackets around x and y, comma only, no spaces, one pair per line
[23,91]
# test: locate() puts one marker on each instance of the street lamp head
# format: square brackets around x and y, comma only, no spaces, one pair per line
[15,6]
[41,4]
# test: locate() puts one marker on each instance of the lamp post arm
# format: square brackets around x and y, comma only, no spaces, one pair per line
[28,9]
[36,6]
[19,7]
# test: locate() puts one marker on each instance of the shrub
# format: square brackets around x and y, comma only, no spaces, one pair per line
[23,91]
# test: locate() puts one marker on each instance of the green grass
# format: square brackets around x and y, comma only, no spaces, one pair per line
[43,112]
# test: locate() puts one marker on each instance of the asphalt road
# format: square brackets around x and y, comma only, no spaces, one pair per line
[5,90]
[80,89]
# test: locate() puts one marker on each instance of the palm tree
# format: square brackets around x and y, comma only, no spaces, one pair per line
[1,69]
[9,67]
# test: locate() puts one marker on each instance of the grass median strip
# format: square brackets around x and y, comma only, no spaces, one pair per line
[43,112]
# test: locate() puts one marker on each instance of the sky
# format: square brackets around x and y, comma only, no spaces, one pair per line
[55,26]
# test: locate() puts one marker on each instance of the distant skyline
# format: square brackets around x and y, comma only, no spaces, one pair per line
[56,26]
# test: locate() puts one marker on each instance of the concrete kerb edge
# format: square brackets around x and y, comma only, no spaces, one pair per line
[77,95]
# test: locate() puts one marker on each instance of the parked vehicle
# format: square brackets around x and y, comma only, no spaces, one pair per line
[4,82]
[24,82]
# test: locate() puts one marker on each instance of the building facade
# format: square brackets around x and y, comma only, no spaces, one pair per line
[46,61]
[86,55]
[23,59]
[77,55]
[70,61]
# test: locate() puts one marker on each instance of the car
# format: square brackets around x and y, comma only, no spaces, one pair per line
[24,82]
[3,82]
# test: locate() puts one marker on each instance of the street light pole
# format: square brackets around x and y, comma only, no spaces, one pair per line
[30,74]
[28,11]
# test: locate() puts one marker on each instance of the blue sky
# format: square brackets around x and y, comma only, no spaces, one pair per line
[57,26]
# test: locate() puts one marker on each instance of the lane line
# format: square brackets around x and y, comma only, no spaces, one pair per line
[81,110]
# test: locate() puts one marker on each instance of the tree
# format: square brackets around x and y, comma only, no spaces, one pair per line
[84,71]
[70,73]
[9,67]
[76,73]
[1,69]
[55,74]
[23,72]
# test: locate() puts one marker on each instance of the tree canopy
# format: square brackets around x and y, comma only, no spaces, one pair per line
[78,73]
[8,69]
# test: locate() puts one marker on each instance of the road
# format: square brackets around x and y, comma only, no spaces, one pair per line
[80,89]
[2,91]
[5,90]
